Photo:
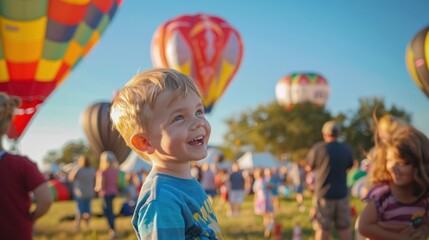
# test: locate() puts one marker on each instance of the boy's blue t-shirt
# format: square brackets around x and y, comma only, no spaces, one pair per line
[174,208]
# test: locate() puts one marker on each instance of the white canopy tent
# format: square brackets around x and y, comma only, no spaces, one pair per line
[212,154]
[134,163]
[50,168]
[254,160]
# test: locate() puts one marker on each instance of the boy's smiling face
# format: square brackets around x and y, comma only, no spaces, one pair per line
[178,129]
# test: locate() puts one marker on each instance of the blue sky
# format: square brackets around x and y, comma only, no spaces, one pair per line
[358,46]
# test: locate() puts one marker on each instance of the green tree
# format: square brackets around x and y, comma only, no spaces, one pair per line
[69,153]
[292,133]
[271,128]
[360,126]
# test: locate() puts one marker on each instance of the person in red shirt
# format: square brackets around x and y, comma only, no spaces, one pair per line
[19,176]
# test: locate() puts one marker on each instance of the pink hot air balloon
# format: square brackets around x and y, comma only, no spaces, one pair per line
[205,47]
[299,88]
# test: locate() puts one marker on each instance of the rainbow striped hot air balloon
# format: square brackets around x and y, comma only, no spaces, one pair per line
[298,88]
[204,47]
[417,60]
[41,42]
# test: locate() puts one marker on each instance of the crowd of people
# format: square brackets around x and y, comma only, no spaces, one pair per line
[268,185]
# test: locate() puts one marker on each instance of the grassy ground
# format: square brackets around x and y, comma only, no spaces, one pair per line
[247,226]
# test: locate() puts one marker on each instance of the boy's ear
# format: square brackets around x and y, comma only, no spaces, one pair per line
[140,142]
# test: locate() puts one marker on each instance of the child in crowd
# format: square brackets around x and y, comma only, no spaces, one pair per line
[263,201]
[160,115]
[398,203]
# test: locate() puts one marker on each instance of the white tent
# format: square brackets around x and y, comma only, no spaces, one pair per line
[254,160]
[212,153]
[50,168]
[134,163]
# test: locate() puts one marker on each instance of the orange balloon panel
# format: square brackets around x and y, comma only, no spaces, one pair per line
[41,42]
[205,47]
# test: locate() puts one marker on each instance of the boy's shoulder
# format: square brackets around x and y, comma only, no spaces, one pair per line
[165,187]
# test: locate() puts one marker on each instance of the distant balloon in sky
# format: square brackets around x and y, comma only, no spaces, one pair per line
[96,124]
[417,60]
[41,42]
[299,88]
[205,47]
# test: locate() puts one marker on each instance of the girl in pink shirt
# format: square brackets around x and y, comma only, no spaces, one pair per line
[398,203]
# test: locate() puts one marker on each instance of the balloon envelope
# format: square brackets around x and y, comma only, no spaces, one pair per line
[204,47]
[59,190]
[300,88]
[41,42]
[96,123]
[417,61]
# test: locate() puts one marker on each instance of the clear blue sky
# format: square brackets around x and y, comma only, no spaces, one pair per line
[359,46]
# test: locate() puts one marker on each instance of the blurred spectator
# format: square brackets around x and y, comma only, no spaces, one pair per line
[208,181]
[263,203]
[273,183]
[297,175]
[330,160]
[221,180]
[83,178]
[236,184]
[131,194]
[19,176]
[248,182]
[107,186]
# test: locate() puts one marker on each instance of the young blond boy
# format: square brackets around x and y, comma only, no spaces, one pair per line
[160,115]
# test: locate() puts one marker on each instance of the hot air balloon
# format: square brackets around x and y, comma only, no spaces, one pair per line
[416,60]
[299,88]
[96,123]
[205,47]
[41,42]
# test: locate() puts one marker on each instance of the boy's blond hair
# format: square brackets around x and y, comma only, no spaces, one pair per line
[131,110]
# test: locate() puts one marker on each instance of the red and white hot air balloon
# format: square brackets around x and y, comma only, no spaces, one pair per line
[204,47]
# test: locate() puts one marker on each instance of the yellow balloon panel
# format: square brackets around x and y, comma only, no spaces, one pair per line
[47,70]
[18,30]
[4,76]
[20,51]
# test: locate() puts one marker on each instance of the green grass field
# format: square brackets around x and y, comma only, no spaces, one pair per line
[247,226]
